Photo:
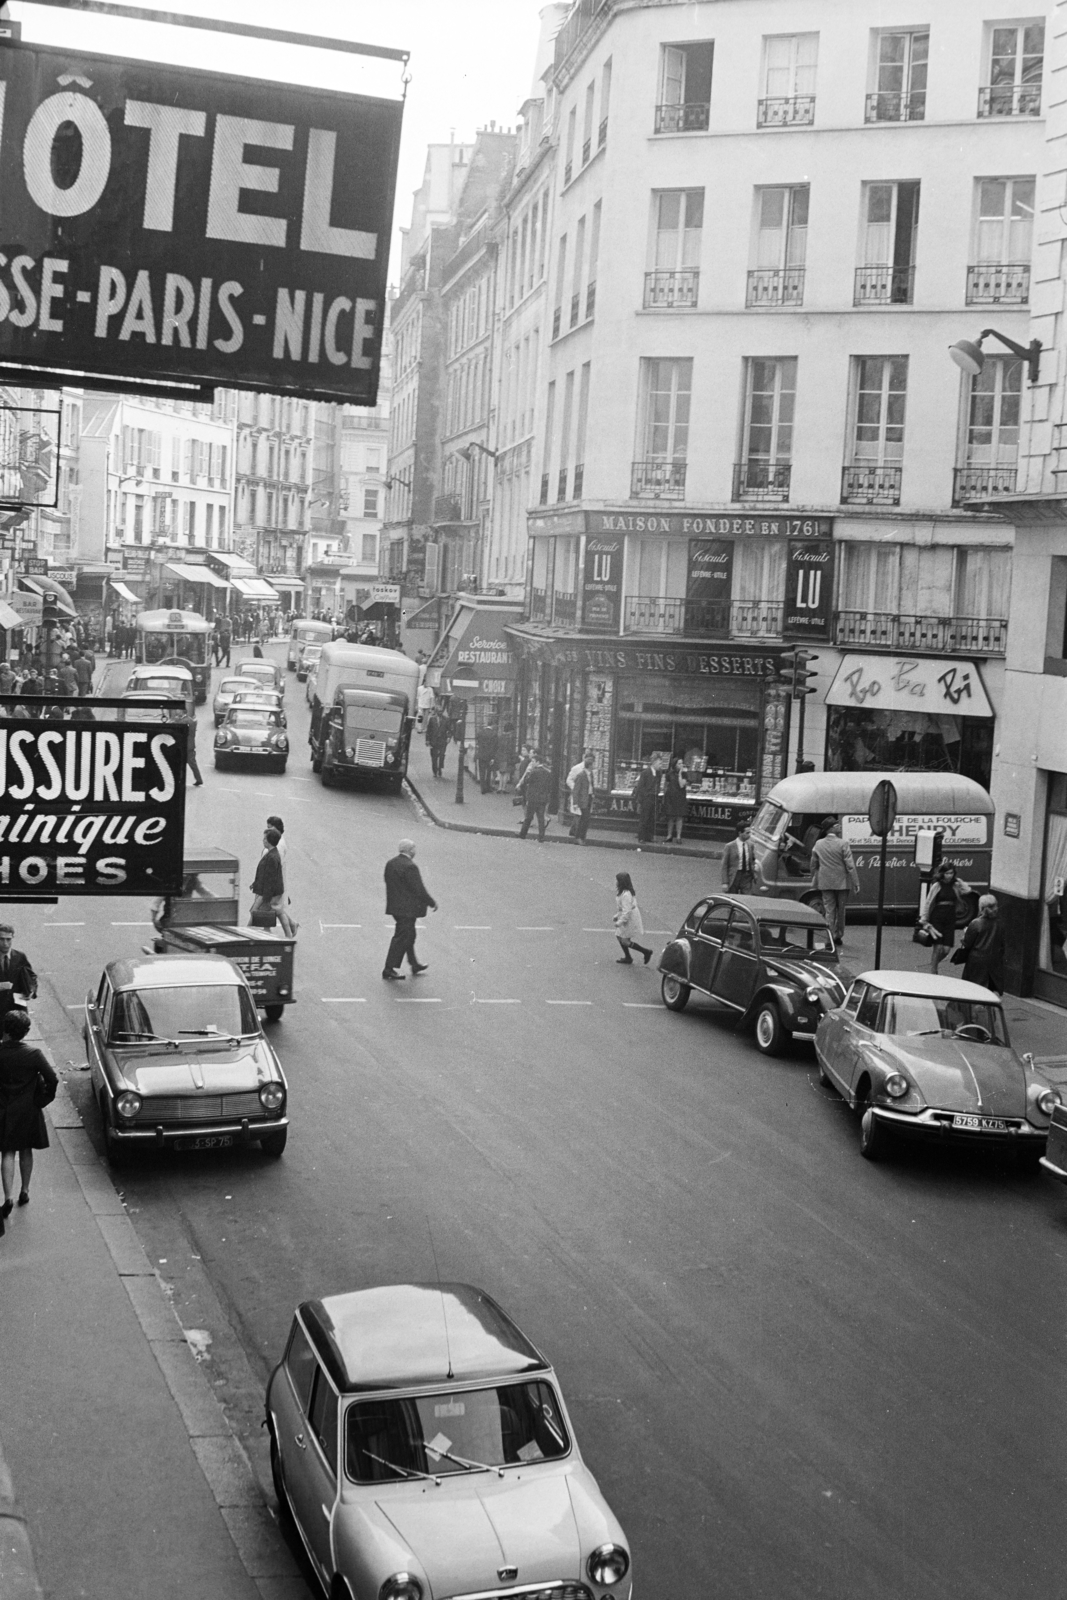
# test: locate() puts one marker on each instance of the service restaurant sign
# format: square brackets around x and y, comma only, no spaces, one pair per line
[94,809]
[171,224]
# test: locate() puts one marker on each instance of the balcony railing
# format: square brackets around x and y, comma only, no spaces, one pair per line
[756,619]
[701,619]
[894,106]
[669,290]
[1010,100]
[981,483]
[683,119]
[785,111]
[775,286]
[662,480]
[561,485]
[764,481]
[870,486]
[998,283]
[922,635]
[565,608]
[884,286]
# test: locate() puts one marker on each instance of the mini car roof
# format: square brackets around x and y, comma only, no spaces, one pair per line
[928,983]
[765,908]
[171,972]
[394,1337]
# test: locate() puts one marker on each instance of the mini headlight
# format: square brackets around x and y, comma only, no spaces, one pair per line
[1048,1100]
[609,1563]
[271,1096]
[896,1085]
[128,1104]
[401,1586]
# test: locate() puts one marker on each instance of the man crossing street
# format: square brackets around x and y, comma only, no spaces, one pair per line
[406,899]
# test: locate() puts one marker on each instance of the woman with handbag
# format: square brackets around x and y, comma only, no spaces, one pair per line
[627,920]
[28,1082]
[675,799]
[940,911]
[981,954]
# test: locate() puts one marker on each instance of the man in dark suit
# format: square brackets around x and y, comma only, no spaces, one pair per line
[739,863]
[18,981]
[406,899]
[644,798]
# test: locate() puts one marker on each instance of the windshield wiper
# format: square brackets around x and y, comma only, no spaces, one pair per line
[408,1472]
[126,1035]
[471,1466]
[209,1033]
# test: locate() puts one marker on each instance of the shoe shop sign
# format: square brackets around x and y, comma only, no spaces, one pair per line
[91,808]
[173,224]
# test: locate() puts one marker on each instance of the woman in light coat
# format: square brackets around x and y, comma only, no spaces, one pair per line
[627,920]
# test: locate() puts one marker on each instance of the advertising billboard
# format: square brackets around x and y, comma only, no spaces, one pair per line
[170,224]
[91,808]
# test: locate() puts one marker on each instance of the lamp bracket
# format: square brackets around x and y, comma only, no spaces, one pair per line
[1030,353]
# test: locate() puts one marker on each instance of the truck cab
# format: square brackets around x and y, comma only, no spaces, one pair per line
[362,712]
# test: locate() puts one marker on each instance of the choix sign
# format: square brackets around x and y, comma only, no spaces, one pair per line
[170,223]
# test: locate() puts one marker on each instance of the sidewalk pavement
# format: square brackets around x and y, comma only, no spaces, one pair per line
[118,1471]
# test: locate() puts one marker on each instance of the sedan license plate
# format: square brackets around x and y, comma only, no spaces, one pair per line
[211,1141]
[980,1124]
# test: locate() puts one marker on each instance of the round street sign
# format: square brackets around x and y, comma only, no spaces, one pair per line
[882,811]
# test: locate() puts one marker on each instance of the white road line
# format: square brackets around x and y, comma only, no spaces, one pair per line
[599,930]
[131,924]
[472,927]
[324,925]
[643,1005]
[62,924]
[74,1005]
[568,1002]
[342,1000]
[478,1002]
[536,928]
[298,778]
[417,1000]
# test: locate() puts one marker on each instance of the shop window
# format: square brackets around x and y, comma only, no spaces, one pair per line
[714,727]
[1051,952]
[864,740]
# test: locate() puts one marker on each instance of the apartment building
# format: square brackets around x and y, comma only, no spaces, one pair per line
[771,220]
[274,439]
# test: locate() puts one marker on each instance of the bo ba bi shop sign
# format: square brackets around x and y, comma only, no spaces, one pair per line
[94,809]
[174,224]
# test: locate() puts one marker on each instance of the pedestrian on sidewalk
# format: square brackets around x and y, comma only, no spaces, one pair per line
[536,790]
[739,863]
[406,900]
[190,748]
[281,902]
[981,954]
[580,785]
[83,667]
[942,904]
[225,641]
[424,702]
[834,875]
[485,746]
[629,928]
[438,733]
[269,881]
[28,1082]
[18,981]
[675,799]
[644,798]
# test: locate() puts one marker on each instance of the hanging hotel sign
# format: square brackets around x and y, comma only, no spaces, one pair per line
[170,224]
[910,683]
[95,809]
[809,593]
[602,583]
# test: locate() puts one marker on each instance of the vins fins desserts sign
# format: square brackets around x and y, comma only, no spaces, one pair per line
[94,809]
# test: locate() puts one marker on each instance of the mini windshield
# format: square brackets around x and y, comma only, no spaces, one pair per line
[253,717]
[233,685]
[196,1010]
[796,936]
[915,1015]
[389,1440]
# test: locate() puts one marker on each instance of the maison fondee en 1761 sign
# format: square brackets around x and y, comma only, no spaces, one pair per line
[91,808]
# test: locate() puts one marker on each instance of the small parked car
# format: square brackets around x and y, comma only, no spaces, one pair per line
[178,1058]
[772,963]
[267,672]
[252,736]
[420,1445]
[309,654]
[225,692]
[920,1056]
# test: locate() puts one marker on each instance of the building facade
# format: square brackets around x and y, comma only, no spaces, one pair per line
[274,446]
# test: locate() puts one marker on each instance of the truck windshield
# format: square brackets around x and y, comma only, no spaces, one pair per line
[372,719]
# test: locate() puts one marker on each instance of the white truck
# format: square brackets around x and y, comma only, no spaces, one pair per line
[362,712]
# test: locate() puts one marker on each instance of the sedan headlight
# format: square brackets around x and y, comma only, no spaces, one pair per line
[221,738]
[812,996]
[609,1563]
[128,1104]
[401,1586]
[1048,1100]
[272,1096]
[897,1085]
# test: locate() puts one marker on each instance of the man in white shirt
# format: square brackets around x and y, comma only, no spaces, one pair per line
[580,790]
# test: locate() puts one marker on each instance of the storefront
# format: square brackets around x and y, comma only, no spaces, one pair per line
[474,660]
[900,713]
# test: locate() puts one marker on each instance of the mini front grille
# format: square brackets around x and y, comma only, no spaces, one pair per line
[199,1108]
[556,1590]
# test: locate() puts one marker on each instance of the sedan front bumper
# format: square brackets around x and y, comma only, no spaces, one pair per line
[932,1123]
[243,1130]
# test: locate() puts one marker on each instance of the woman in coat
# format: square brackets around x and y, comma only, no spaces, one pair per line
[942,904]
[627,919]
[981,952]
[675,802]
[23,1068]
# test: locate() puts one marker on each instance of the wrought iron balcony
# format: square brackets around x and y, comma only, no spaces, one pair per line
[763,481]
[775,286]
[1010,100]
[998,283]
[669,290]
[683,119]
[870,486]
[884,286]
[700,619]
[660,480]
[564,609]
[785,111]
[756,619]
[895,106]
[981,483]
[922,635]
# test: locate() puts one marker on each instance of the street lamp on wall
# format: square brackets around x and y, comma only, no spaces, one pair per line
[970,358]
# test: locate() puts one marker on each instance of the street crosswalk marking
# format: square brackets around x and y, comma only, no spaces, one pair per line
[417,999]
[472,927]
[478,1001]
[546,928]
[62,924]
[568,1002]
[131,924]
[343,1000]
[324,925]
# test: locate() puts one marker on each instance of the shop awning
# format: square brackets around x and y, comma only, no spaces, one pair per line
[9,618]
[474,653]
[237,566]
[286,580]
[195,574]
[256,589]
[124,593]
[43,586]
[933,684]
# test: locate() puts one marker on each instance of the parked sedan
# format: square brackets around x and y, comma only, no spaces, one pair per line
[925,1057]
[769,962]
[420,1445]
[178,1058]
[225,692]
[252,736]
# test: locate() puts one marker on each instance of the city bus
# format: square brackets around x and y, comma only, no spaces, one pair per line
[179,637]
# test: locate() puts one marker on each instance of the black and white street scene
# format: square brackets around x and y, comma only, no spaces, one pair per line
[533,799]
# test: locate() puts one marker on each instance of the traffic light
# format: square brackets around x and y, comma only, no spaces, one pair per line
[793,670]
[50,611]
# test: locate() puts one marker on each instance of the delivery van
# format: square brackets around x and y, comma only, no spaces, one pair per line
[362,712]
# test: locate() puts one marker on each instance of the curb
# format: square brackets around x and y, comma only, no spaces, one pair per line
[18,1575]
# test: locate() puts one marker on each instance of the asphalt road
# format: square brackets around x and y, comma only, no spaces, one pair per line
[793,1372]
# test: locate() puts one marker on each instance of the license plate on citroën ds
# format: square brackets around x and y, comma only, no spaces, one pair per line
[980,1124]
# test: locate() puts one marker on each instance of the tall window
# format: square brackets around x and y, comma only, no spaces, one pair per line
[369,552]
[605,100]
[999,271]
[780,247]
[594,251]
[370,502]
[767,434]
[550,409]
[663,427]
[572,134]
[209,524]
[890,229]
[872,476]
[990,443]
[565,435]
[677,224]
[561,273]
[580,426]
[587,123]
[758,593]
[1016,61]
[900,71]
[685,88]
[983,583]
[790,62]
[576,276]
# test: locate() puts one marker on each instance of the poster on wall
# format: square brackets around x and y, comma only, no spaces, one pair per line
[775,739]
[599,703]
[809,594]
[602,584]
[709,580]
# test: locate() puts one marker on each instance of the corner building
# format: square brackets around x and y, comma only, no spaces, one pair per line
[770,221]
